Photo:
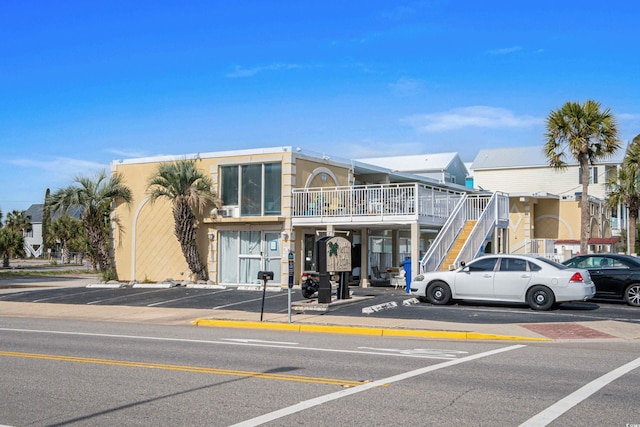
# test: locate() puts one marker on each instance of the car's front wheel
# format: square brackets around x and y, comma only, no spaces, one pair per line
[439,293]
[540,298]
[632,295]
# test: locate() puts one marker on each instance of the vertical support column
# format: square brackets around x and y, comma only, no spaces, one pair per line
[395,248]
[415,249]
[364,258]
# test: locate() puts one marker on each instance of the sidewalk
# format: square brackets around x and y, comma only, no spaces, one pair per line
[315,322]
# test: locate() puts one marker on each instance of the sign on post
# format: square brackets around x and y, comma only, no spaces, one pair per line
[334,255]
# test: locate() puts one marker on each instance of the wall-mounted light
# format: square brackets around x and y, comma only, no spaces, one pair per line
[211,235]
[284,235]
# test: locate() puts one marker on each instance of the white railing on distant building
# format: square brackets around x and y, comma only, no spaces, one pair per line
[541,247]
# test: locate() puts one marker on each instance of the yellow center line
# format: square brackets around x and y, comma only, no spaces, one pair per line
[184,368]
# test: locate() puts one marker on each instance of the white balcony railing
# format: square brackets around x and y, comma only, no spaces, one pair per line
[389,200]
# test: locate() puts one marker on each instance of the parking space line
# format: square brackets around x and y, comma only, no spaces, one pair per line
[246,301]
[556,410]
[125,296]
[64,296]
[272,416]
[187,297]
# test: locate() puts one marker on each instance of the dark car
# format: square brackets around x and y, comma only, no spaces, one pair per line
[616,276]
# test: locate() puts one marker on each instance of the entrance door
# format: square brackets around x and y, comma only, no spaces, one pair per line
[242,254]
[272,255]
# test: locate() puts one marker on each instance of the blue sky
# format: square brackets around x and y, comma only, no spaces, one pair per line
[83,83]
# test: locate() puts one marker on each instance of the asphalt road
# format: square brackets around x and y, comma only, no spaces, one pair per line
[71,373]
[371,302]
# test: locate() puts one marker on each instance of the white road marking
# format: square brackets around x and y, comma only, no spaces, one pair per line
[125,296]
[187,297]
[560,407]
[259,341]
[140,337]
[379,307]
[364,387]
[450,354]
[410,301]
[245,301]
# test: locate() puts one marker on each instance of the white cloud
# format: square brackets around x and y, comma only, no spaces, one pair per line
[504,51]
[63,167]
[406,86]
[249,72]
[476,116]
[128,153]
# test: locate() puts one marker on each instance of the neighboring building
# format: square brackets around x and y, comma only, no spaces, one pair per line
[33,239]
[277,200]
[445,168]
[545,202]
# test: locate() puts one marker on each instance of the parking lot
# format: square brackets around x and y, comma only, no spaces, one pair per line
[369,302]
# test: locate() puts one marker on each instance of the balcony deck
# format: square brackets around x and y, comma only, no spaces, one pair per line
[373,204]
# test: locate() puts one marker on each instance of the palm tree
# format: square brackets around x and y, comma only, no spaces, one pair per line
[11,244]
[626,189]
[586,133]
[95,198]
[65,229]
[18,221]
[46,222]
[189,191]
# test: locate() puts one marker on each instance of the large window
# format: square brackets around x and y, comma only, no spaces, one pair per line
[255,188]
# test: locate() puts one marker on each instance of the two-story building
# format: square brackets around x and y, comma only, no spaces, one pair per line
[544,203]
[281,200]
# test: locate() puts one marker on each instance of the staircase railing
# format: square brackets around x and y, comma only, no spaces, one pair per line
[493,211]
[445,238]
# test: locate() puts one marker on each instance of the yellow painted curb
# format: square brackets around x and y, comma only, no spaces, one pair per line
[355,330]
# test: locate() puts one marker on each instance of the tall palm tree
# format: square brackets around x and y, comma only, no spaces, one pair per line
[18,221]
[94,197]
[190,191]
[65,229]
[626,190]
[588,134]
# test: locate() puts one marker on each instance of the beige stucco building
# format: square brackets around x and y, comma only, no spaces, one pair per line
[280,200]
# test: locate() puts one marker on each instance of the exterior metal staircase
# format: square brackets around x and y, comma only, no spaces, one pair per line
[458,244]
[479,213]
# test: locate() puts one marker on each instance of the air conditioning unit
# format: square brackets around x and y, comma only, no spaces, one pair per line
[228,212]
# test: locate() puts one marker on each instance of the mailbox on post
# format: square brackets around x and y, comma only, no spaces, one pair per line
[265,276]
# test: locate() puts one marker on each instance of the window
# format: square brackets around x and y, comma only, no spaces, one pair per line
[513,264]
[255,188]
[229,185]
[593,175]
[487,264]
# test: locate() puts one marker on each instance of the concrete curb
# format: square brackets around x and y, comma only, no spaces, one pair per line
[351,330]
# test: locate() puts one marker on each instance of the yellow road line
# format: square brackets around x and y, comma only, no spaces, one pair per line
[196,369]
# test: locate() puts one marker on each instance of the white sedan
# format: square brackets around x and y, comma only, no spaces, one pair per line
[536,281]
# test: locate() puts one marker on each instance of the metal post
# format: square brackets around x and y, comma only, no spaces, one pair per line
[291,270]
[264,290]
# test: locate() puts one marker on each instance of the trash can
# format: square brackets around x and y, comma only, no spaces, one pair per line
[406,264]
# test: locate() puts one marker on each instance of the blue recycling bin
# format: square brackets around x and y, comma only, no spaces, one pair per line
[406,264]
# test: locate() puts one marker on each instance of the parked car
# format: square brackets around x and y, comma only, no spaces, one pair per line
[615,276]
[536,281]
